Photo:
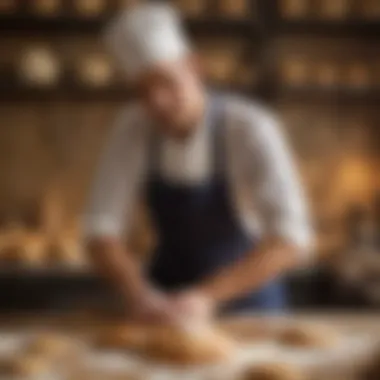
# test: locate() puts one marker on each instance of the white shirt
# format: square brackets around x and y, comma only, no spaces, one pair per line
[264,187]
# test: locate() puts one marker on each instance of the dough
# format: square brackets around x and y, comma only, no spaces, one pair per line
[48,346]
[307,337]
[273,371]
[29,365]
[130,337]
[180,346]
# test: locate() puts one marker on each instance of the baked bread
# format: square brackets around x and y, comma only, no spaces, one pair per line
[46,7]
[90,8]
[29,365]
[303,336]
[188,347]
[48,346]
[39,66]
[95,71]
[129,337]
[273,371]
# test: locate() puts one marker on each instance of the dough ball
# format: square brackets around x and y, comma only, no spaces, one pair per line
[179,346]
[29,365]
[273,371]
[307,337]
[39,66]
[129,337]
[48,346]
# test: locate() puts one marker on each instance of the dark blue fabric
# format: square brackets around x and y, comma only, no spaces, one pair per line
[198,230]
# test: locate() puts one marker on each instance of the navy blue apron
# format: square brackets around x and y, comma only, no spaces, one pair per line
[198,229]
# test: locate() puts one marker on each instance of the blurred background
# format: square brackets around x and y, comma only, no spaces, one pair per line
[315,62]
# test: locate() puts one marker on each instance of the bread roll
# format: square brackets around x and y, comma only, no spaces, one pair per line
[307,337]
[129,337]
[295,72]
[30,365]
[185,347]
[334,9]
[46,7]
[8,6]
[95,71]
[293,9]
[191,7]
[39,66]
[234,8]
[48,346]
[273,371]
[358,76]
[327,75]
[90,8]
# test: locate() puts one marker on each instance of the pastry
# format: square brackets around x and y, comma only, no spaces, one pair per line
[334,9]
[188,347]
[327,75]
[294,8]
[48,346]
[32,249]
[273,371]
[191,7]
[234,8]
[358,76]
[307,337]
[39,66]
[7,6]
[29,365]
[46,7]
[90,8]
[95,71]
[370,9]
[129,337]
[295,72]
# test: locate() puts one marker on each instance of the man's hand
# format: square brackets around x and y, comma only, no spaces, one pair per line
[152,307]
[192,307]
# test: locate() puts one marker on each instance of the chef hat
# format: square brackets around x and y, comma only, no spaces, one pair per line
[145,35]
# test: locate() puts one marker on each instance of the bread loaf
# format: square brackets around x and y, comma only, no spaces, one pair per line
[39,66]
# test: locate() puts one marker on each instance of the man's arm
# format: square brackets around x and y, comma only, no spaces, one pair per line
[279,201]
[114,194]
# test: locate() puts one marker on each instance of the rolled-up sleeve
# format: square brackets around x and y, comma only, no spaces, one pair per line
[273,180]
[117,179]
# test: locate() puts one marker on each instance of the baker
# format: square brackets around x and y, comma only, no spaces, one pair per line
[218,178]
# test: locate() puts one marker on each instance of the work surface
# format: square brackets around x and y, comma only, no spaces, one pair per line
[360,339]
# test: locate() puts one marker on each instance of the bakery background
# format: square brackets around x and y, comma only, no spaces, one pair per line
[317,62]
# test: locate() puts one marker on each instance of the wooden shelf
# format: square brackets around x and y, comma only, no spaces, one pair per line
[349,28]
[74,25]
[333,96]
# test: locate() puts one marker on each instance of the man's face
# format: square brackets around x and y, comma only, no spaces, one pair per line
[173,94]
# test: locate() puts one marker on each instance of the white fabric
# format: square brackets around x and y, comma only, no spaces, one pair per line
[263,182]
[145,35]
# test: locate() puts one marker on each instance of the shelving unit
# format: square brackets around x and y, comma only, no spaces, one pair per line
[259,32]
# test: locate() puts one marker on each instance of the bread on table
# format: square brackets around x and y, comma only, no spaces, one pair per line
[307,336]
[273,371]
[189,347]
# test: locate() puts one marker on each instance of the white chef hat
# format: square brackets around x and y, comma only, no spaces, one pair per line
[145,35]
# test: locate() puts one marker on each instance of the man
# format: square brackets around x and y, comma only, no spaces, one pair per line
[197,157]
